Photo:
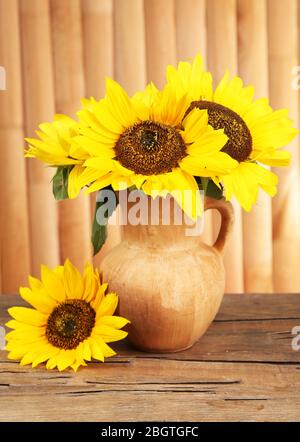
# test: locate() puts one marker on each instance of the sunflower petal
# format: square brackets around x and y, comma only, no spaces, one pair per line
[77,364]
[106,350]
[86,350]
[73,281]
[37,299]
[53,284]
[120,104]
[109,334]
[47,352]
[108,305]
[113,321]
[99,296]
[28,316]
[65,359]
[245,181]
[74,181]
[96,350]
[273,157]
[90,283]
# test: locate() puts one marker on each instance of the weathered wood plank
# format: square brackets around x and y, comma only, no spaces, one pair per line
[148,374]
[260,306]
[243,369]
[152,390]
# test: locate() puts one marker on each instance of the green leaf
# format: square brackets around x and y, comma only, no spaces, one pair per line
[204,184]
[99,234]
[60,182]
[214,191]
[99,230]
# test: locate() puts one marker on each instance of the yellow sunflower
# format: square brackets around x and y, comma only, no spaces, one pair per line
[71,320]
[54,144]
[147,141]
[255,132]
[55,148]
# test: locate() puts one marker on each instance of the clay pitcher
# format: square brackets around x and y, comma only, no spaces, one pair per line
[170,284]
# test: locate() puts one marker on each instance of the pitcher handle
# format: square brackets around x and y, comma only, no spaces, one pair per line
[227,219]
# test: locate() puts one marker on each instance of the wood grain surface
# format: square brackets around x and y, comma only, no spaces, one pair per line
[243,369]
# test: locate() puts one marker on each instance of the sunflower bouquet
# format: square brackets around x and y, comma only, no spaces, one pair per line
[186,137]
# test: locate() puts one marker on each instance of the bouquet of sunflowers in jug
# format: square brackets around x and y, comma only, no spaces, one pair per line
[188,136]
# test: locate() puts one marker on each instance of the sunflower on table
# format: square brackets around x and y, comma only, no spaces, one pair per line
[70,323]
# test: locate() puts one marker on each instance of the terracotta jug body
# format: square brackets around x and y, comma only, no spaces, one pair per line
[170,284]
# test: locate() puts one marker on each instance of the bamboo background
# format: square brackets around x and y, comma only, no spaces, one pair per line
[56,51]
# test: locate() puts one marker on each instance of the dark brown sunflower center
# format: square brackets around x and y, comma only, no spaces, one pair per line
[239,144]
[150,148]
[70,323]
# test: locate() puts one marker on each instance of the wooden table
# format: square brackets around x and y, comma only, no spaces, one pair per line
[243,369]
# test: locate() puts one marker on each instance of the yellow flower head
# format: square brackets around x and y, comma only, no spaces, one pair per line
[71,320]
[255,132]
[55,147]
[54,144]
[150,141]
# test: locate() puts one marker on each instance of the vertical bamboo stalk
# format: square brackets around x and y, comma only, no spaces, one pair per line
[129,50]
[98,63]
[39,107]
[222,41]
[257,225]
[190,28]
[15,249]
[222,54]
[160,38]
[97,52]
[129,53]
[283,57]
[74,215]
[190,17]
[1,267]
